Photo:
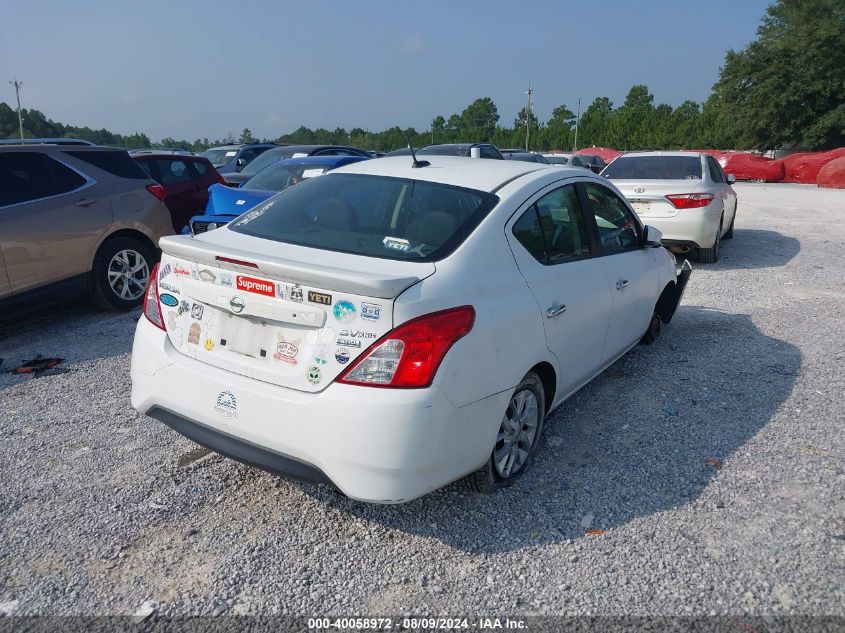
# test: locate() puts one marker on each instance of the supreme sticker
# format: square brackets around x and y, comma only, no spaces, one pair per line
[257,286]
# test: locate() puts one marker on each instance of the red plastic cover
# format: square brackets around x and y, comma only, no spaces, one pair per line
[832,175]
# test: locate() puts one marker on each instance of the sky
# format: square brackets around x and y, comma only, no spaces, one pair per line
[205,69]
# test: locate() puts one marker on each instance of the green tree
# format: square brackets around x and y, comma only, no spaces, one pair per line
[246,136]
[479,119]
[787,87]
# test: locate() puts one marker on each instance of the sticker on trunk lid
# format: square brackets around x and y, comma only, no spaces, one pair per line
[257,286]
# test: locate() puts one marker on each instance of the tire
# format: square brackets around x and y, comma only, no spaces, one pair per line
[711,255]
[653,330]
[730,232]
[496,473]
[121,272]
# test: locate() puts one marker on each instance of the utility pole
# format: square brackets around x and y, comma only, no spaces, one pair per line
[577,120]
[17,84]
[529,92]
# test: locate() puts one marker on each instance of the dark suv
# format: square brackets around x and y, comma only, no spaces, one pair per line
[76,220]
[228,159]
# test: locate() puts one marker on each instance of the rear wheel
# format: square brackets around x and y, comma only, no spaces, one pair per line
[653,330]
[517,439]
[711,255]
[121,273]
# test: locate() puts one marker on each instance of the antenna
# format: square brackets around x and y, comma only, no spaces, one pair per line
[416,163]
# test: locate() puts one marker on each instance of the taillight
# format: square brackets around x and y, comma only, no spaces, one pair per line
[157,191]
[409,355]
[152,310]
[690,200]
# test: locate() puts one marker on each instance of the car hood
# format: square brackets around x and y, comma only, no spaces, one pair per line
[231,201]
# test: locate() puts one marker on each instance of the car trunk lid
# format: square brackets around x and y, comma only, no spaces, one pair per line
[265,310]
[648,197]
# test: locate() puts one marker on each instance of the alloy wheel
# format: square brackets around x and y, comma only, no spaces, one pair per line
[517,434]
[128,274]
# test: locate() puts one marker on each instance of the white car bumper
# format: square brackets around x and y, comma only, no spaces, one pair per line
[379,445]
[691,227]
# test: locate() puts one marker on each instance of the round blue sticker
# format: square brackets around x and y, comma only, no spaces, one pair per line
[344,310]
[342,355]
[169,300]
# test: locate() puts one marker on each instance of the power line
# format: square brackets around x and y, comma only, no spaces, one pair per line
[17,84]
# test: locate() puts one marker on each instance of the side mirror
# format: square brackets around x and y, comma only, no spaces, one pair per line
[731,179]
[475,152]
[652,236]
[240,163]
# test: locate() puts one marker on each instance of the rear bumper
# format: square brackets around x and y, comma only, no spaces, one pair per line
[695,228]
[378,445]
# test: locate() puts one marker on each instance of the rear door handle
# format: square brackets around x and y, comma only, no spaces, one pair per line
[84,202]
[555,310]
[622,284]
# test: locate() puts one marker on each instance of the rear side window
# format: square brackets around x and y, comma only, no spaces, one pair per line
[116,163]
[377,216]
[553,229]
[172,172]
[715,170]
[26,176]
[145,165]
[200,167]
[655,168]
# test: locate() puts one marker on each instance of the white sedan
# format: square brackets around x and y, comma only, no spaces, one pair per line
[396,325]
[684,194]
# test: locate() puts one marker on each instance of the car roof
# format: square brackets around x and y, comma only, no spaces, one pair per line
[46,141]
[35,147]
[473,173]
[630,154]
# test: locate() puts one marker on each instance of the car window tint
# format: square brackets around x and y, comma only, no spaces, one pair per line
[115,162]
[173,172]
[553,229]
[200,167]
[28,176]
[715,172]
[528,232]
[64,178]
[617,227]
[377,216]
[146,166]
[563,225]
[655,168]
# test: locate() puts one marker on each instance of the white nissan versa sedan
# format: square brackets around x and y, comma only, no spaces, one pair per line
[686,195]
[396,325]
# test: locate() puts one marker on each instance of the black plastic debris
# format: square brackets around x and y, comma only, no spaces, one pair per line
[37,365]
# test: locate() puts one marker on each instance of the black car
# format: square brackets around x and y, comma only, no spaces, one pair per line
[528,157]
[592,162]
[276,154]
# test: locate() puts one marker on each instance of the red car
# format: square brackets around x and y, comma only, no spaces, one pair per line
[185,180]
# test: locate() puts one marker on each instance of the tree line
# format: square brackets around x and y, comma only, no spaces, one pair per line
[785,89]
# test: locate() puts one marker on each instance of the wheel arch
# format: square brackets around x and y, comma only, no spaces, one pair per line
[548,377]
[665,307]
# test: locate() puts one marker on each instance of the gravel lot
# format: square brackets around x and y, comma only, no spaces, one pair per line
[102,511]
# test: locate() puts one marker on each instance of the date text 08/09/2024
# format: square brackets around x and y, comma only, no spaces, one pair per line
[416,623]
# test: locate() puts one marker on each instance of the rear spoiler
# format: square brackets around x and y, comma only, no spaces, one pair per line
[384,286]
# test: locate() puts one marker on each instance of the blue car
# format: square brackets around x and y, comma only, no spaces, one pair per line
[227,203]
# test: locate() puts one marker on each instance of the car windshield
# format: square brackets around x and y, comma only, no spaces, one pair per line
[654,168]
[444,150]
[279,177]
[558,160]
[220,157]
[263,160]
[377,216]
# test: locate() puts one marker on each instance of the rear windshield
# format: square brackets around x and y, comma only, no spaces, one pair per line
[378,216]
[280,177]
[117,163]
[654,168]
[557,160]
[263,160]
[220,157]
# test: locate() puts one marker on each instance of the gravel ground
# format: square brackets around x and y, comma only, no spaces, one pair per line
[103,511]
